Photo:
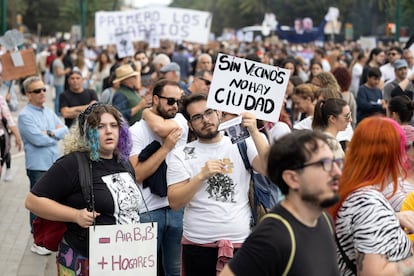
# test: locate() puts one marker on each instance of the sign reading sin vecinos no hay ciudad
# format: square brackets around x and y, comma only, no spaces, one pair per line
[243,85]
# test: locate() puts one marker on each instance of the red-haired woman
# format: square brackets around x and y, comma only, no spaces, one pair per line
[371,240]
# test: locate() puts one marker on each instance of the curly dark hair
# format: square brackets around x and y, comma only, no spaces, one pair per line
[343,77]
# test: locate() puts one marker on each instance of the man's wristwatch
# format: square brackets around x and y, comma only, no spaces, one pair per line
[50,133]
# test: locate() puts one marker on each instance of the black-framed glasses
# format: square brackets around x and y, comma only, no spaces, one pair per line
[326,164]
[392,53]
[206,82]
[170,101]
[198,118]
[38,90]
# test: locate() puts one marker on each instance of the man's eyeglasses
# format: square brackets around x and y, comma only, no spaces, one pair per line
[392,53]
[38,90]
[170,101]
[206,82]
[326,164]
[198,118]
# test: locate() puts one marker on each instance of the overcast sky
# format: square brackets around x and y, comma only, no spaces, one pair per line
[143,3]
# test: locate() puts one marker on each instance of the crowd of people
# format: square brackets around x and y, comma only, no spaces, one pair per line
[341,153]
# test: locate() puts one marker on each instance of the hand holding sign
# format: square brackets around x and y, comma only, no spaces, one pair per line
[243,85]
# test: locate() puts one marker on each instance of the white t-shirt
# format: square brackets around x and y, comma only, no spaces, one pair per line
[220,208]
[403,189]
[387,73]
[345,135]
[142,136]
[278,130]
[356,77]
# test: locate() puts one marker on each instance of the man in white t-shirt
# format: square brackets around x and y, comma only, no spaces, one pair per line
[208,178]
[387,70]
[153,137]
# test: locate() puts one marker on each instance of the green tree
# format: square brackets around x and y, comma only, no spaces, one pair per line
[379,10]
[55,16]
[34,13]
[407,8]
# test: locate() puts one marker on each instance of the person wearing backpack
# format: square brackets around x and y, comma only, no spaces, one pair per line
[296,237]
[103,136]
[208,178]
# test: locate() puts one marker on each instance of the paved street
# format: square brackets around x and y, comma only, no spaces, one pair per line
[15,238]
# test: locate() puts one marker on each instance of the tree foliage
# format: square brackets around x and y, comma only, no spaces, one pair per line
[368,17]
[59,16]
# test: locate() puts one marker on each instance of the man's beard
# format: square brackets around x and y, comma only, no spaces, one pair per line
[206,136]
[314,199]
[163,113]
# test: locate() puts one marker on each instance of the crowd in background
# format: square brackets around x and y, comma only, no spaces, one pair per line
[334,88]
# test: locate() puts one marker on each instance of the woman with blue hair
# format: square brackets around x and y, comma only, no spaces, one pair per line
[102,135]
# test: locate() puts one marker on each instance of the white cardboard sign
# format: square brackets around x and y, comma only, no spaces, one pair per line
[164,23]
[124,45]
[123,249]
[240,85]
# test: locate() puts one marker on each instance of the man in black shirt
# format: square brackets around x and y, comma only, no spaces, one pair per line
[75,99]
[296,238]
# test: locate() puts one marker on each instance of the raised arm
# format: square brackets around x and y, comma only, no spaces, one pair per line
[160,126]
[146,168]
[260,141]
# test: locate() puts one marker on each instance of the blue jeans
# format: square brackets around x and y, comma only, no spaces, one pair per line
[58,90]
[34,176]
[170,231]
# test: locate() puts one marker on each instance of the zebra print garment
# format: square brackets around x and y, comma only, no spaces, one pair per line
[367,223]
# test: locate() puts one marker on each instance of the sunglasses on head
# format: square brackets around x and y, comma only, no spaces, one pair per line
[207,82]
[170,101]
[38,90]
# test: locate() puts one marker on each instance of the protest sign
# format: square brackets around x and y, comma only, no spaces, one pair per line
[368,42]
[124,45]
[243,85]
[25,67]
[164,23]
[123,249]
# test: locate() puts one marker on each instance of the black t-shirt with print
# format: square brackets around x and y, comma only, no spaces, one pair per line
[116,196]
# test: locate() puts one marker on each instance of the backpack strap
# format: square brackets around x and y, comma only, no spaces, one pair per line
[85,179]
[242,146]
[347,261]
[329,222]
[128,166]
[292,238]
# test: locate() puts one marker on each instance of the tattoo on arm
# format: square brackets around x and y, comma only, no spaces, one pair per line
[406,267]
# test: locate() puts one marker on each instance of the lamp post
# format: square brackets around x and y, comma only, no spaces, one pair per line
[3,16]
[83,17]
[398,21]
